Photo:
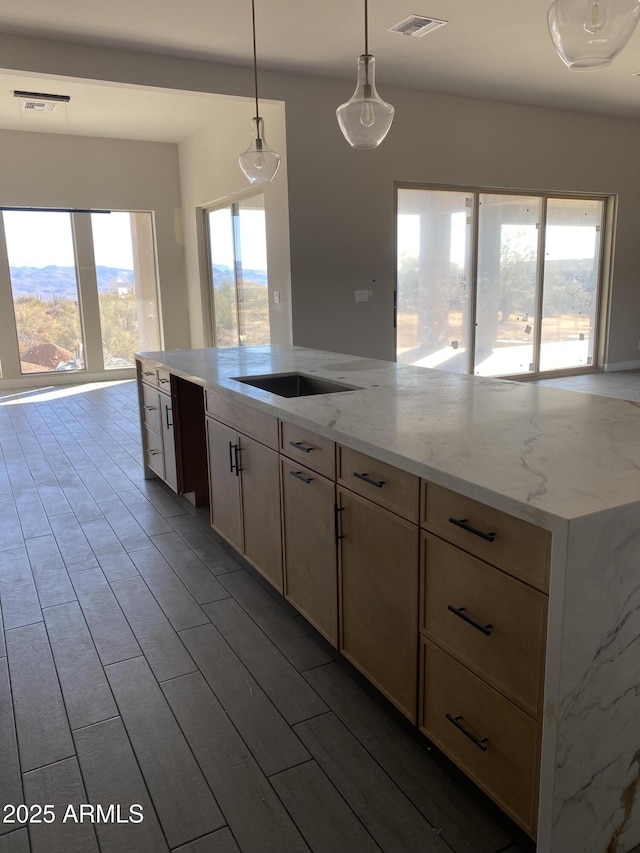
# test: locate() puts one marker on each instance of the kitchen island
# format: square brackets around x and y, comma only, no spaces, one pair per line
[561,470]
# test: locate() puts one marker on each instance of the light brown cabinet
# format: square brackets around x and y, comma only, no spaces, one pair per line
[310,569]
[170,408]
[245,497]
[168,440]
[378,588]
[489,738]
[483,625]
[224,482]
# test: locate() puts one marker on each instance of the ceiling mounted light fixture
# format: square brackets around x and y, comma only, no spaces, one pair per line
[590,34]
[365,119]
[259,163]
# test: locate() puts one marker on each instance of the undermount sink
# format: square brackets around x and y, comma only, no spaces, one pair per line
[295,384]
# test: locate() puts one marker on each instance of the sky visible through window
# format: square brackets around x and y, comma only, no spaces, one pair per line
[41,238]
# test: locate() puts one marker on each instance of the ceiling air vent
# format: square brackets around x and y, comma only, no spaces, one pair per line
[417,25]
[40,102]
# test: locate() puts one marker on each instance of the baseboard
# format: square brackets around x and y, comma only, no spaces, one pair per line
[621,365]
[65,377]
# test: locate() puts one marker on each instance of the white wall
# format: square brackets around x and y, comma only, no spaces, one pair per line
[209,172]
[52,170]
[341,201]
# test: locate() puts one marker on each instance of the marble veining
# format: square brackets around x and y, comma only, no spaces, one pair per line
[534,451]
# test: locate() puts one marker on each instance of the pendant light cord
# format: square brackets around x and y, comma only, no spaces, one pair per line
[366,27]
[255,55]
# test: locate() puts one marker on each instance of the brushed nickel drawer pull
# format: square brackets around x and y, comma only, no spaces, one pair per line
[300,446]
[367,479]
[461,612]
[155,452]
[464,524]
[163,380]
[300,476]
[147,372]
[150,408]
[480,742]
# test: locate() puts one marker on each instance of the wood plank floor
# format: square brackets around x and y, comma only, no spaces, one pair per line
[141,662]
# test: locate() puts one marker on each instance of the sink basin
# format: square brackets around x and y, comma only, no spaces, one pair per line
[295,384]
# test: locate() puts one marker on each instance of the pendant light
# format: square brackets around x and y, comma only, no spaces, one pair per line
[590,33]
[365,119]
[259,163]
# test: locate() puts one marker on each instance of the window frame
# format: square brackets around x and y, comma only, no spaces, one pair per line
[11,375]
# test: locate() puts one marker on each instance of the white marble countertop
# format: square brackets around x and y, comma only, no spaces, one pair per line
[541,453]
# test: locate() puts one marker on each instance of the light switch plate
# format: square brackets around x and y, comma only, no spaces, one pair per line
[362,295]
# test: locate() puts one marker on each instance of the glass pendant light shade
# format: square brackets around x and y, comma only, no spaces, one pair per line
[259,163]
[590,33]
[365,119]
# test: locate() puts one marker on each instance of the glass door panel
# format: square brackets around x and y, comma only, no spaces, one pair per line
[434,278]
[124,254]
[251,272]
[571,275]
[44,287]
[506,284]
[223,277]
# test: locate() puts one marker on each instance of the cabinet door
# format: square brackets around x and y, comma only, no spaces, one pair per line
[310,570]
[168,441]
[261,523]
[224,482]
[378,589]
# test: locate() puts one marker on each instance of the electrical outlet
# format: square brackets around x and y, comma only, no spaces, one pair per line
[362,295]
[276,297]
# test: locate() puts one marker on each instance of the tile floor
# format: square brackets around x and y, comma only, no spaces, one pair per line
[142,663]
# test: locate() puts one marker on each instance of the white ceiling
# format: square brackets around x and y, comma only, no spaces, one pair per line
[496,49]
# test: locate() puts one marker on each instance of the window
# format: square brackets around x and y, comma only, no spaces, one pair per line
[237,247]
[44,288]
[83,291]
[498,284]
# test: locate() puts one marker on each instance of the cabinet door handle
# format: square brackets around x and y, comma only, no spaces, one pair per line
[336,520]
[464,524]
[231,457]
[147,372]
[167,409]
[377,483]
[462,613]
[236,453]
[300,446]
[154,452]
[162,381]
[150,408]
[480,742]
[300,476]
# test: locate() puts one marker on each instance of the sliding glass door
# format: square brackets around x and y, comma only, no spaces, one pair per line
[497,284]
[237,247]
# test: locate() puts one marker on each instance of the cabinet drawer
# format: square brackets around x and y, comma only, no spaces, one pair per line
[520,548]
[312,450]
[493,742]
[153,452]
[164,380]
[382,483]
[150,407]
[148,373]
[249,421]
[491,622]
